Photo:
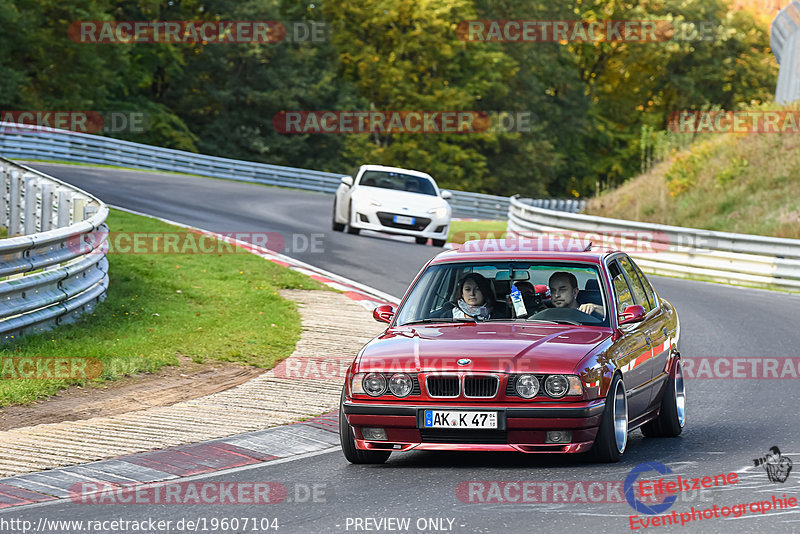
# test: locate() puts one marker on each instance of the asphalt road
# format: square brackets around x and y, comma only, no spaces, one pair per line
[730,422]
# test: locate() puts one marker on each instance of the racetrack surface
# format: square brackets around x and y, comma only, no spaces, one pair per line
[730,422]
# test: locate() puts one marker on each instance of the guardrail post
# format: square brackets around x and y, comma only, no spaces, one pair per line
[784,40]
[14,206]
[64,205]
[4,183]
[78,204]
[31,191]
[46,217]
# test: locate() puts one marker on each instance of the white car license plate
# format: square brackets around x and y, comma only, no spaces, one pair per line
[448,419]
[402,219]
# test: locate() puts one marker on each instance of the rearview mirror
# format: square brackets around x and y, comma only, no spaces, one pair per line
[384,314]
[445,194]
[632,314]
[347,180]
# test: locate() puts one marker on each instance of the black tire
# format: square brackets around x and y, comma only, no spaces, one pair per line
[350,229]
[347,439]
[606,446]
[438,242]
[337,227]
[672,416]
[421,240]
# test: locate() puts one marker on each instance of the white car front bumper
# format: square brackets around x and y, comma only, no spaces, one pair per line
[380,219]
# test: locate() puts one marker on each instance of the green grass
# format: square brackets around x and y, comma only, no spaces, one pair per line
[221,307]
[468,230]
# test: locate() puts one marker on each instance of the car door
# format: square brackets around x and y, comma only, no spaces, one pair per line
[658,330]
[652,328]
[631,350]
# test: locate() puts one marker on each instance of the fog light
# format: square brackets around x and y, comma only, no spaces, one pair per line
[373,434]
[558,436]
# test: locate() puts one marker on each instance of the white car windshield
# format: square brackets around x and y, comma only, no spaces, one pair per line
[507,291]
[398,182]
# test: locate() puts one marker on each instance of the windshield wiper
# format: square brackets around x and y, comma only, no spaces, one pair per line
[438,320]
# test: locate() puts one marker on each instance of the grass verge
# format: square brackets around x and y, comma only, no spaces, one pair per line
[742,183]
[221,306]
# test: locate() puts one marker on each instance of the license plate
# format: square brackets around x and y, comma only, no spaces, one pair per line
[448,419]
[402,219]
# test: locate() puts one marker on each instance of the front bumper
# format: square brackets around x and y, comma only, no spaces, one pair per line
[520,429]
[379,219]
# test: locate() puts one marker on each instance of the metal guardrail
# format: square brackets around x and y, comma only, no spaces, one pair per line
[26,142]
[53,264]
[673,250]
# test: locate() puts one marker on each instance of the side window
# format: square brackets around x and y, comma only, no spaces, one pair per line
[648,287]
[622,292]
[636,284]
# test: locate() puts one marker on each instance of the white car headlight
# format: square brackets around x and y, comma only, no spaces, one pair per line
[438,212]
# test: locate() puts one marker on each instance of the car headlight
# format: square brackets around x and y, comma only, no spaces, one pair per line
[438,212]
[527,386]
[374,384]
[400,385]
[556,385]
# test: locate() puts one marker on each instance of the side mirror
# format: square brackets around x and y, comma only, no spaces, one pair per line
[445,194]
[347,180]
[385,313]
[632,314]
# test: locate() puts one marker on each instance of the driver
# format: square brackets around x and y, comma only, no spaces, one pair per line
[475,298]
[564,291]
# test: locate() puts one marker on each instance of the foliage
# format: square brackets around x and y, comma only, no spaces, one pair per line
[589,101]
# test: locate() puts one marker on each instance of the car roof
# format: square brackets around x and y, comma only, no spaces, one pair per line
[397,169]
[573,250]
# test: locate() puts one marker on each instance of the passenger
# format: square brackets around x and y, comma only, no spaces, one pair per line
[475,298]
[564,292]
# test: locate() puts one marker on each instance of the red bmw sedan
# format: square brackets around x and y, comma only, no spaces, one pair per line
[519,345]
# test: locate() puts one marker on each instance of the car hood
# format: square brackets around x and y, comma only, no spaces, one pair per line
[490,347]
[396,200]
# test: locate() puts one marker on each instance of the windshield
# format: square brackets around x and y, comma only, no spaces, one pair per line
[398,182]
[563,293]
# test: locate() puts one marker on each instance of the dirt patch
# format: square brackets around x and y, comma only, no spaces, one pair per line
[168,386]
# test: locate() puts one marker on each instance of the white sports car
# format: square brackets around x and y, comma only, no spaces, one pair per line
[397,201]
